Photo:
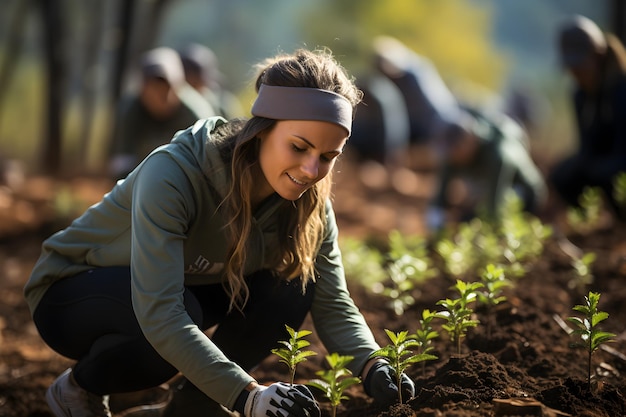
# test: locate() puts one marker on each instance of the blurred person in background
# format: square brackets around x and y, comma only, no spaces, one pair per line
[228,227]
[381,124]
[202,72]
[164,104]
[489,153]
[429,102]
[596,62]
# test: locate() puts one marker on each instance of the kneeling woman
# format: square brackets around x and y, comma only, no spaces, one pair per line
[231,225]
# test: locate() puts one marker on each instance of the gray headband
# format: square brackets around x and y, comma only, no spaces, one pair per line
[300,103]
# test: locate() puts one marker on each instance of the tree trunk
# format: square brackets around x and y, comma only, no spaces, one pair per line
[95,14]
[51,14]
[125,24]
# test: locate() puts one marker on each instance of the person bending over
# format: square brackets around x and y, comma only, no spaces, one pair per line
[229,225]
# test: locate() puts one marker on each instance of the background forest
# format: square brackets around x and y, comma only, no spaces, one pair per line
[65,63]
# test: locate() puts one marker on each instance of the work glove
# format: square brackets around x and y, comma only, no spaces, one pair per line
[281,400]
[380,384]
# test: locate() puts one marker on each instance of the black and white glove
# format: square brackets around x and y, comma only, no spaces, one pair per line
[281,400]
[380,384]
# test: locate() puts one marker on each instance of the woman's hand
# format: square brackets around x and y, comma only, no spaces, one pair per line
[281,400]
[380,384]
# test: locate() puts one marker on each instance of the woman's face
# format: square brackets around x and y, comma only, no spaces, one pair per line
[295,154]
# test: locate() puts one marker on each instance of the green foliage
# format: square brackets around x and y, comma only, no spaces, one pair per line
[586,217]
[512,242]
[462,45]
[425,334]
[334,381]
[494,281]
[399,355]
[458,313]
[409,266]
[587,328]
[361,262]
[583,274]
[523,234]
[619,192]
[292,354]
[459,251]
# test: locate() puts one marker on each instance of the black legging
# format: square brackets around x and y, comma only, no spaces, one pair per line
[89,318]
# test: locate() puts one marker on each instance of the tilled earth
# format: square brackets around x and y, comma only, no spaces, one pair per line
[526,368]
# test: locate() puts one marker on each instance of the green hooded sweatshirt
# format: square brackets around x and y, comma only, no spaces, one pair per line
[164,221]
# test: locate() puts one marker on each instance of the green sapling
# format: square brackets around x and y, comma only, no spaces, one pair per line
[292,354]
[494,282]
[334,381]
[457,312]
[587,215]
[587,328]
[619,189]
[425,334]
[583,272]
[400,356]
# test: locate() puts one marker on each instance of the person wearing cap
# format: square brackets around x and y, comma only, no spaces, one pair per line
[596,62]
[429,102]
[202,73]
[489,153]
[229,225]
[164,104]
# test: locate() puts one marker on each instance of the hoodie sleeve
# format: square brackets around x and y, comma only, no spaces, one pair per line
[338,322]
[162,210]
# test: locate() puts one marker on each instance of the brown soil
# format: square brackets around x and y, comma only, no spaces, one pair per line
[525,369]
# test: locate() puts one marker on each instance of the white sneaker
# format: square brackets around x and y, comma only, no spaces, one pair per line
[67,399]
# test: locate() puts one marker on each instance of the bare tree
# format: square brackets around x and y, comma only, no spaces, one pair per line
[53,37]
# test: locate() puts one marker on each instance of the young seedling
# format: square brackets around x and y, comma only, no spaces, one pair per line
[523,235]
[587,328]
[399,356]
[425,334]
[408,266]
[586,216]
[362,263]
[619,189]
[458,313]
[494,282]
[459,251]
[583,273]
[292,354]
[334,381]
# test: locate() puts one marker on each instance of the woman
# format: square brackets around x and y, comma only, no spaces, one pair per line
[230,225]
